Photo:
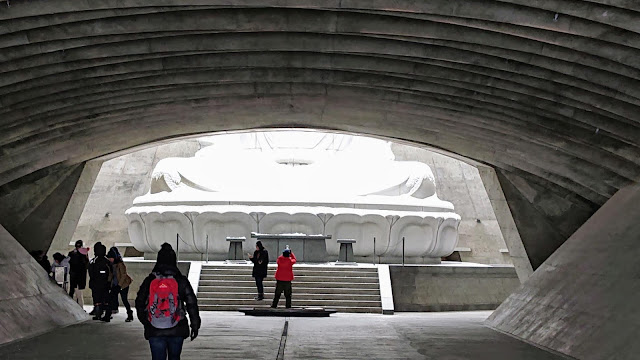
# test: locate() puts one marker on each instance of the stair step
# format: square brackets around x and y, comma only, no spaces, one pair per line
[296,289]
[345,289]
[298,302]
[298,278]
[297,272]
[347,309]
[295,268]
[297,284]
[310,296]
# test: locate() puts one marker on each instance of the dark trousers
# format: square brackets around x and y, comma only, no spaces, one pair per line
[280,287]
[260,286]
[100,294]
[163,346]
[113,297]
[77,281]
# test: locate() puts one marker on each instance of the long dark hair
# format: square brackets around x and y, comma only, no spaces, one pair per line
[259,245]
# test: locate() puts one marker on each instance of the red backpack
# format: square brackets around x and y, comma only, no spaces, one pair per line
[164,306]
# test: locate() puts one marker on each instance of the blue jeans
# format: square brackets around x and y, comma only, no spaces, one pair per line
[161,346]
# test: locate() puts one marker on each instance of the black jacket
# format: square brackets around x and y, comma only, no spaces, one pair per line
[260,261]
[78,263]
[187,297]
[100,273]
[44,262]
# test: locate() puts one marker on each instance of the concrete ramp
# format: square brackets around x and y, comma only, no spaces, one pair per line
[30,303]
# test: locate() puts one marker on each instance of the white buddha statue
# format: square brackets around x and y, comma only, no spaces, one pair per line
[295,166]
[291,177]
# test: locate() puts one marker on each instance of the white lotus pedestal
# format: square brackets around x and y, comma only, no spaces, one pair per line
[428,235]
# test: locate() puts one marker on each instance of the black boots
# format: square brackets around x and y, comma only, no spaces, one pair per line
[107,315]
[129,316]
[259,297]
[97,315]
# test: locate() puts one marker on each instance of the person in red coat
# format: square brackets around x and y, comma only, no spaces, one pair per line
[284,276]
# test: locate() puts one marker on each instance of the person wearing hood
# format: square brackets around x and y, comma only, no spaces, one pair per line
[164,299]
[114,304]
[260,260]
[41,259]
[284,276]
[62,262]
[100,277]
[120,282]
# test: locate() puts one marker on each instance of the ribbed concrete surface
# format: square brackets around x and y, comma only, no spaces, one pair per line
[548,90]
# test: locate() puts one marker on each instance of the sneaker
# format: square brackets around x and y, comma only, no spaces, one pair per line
[258,298]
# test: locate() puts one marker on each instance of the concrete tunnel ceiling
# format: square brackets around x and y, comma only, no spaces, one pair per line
[546,91]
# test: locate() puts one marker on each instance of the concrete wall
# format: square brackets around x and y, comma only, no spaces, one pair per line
[30,303]
[451,288]
[32,209]
[119,182]
[508,228]
[460,183]
[545,216]
[138,270]
[75,208]
[583,301]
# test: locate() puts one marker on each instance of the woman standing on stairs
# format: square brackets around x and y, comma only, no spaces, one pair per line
[260,260]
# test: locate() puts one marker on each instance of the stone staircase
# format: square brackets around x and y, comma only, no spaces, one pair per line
[343,288]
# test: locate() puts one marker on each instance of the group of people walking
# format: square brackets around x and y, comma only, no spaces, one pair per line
[163,302]
[108,279]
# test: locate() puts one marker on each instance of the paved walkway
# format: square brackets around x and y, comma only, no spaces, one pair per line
[230,335]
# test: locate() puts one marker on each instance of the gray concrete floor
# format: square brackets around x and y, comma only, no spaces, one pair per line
[229,335]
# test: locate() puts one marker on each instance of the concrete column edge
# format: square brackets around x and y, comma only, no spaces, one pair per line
[194,275]
[386,292]
[512,239]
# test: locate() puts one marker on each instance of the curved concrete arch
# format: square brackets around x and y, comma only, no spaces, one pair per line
[410,111]
[545,92]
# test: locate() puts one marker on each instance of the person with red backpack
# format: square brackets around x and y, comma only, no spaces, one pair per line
[163,301]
